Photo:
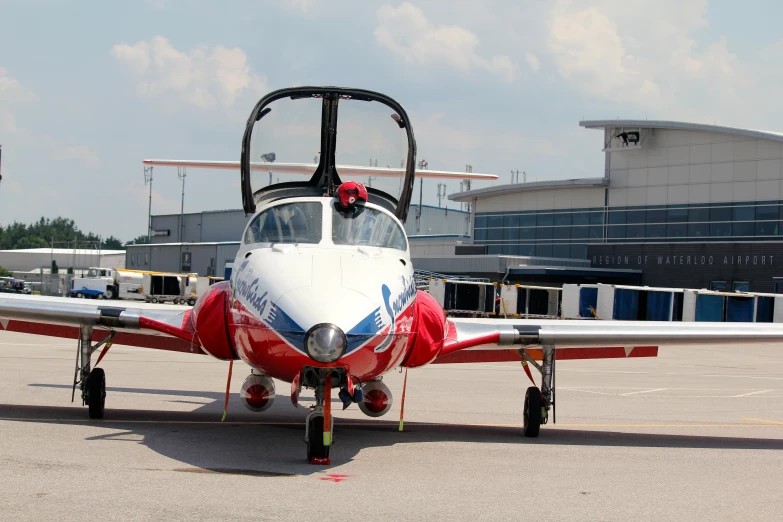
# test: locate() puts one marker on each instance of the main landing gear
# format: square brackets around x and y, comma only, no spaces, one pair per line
[538,402]
[92,383]
[319,430]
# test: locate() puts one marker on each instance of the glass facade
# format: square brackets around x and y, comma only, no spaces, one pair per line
[566,233]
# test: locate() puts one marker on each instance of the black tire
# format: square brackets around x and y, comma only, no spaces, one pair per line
[79,295]
[532,412]
[154,300]
[315,439]
[96,392]
[110,293]
[192,302]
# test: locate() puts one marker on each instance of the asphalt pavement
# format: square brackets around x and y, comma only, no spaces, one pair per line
[695,434]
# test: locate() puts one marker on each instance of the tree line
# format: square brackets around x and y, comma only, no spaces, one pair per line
[62,231]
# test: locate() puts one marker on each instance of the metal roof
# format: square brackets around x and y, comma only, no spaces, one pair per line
[511,188]
[678,125]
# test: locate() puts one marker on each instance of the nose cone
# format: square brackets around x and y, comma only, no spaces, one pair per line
[342,307]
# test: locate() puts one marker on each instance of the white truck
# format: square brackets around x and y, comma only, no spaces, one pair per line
[177,288]
[108,283]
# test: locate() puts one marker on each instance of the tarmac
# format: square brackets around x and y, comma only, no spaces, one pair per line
[695,434]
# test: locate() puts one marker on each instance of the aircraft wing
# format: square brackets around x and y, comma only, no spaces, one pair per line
[309,168]
[162,327]
[495,340]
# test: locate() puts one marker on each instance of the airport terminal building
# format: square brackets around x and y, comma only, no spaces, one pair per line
[690,205]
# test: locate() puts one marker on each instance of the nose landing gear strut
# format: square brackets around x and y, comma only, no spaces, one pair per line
[319,429]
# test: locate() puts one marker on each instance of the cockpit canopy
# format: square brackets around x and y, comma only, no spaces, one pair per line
[321,221]
[312,132]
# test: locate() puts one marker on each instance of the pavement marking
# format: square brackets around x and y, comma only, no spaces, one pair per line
[771,422]
[752,393]
[744,376]
[642,391]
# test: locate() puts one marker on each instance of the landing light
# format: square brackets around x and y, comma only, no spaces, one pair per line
[325,343]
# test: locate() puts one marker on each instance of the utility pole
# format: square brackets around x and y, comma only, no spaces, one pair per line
[181,173]
[418,210]
[148,179]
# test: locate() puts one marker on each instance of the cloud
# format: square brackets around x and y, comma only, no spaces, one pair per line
[202,77]
[532,61]
[138,192]
[80,153]
[405,31]
[607,50]
[11,93]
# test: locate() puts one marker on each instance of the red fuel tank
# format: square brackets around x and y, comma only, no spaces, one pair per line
[210,318]
[430,331]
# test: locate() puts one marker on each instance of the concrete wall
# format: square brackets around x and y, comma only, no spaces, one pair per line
[675,166]
[548,199]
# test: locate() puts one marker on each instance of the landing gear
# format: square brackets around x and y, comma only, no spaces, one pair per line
[317,452]
[319,432]
[532,412]
[92,383]
[96,393]
[538,402]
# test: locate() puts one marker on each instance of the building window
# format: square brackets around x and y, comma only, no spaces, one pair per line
[561,251]
[528,220]
[721,214]
[743,213]
[720,229]
[527,233]
[481,222]
[494,221]
[563,219]
[510,250]
[596,233]
[676,230]
[698,229]
[494,249]
[545,220]
[597,218]
[579,251]
[767,228]
[743,229]
[718,286]
[677,215]
[656,216]
[527,250]
[544,250]
[635,216]
[616,217]
[656,231]
[698,215]
[580,232]
[511,234]
[494,234]
[614,231]
[146,259]
[581,218]
[767,213]
[544,232]
[562,233]
[634,231]
[480,234]
[511,221]
[740,286]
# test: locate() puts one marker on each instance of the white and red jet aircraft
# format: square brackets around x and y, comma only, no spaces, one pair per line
[322,295]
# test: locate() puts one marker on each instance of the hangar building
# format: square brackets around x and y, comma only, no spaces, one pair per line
[690,205]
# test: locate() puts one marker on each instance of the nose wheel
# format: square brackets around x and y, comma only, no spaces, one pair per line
[317,452]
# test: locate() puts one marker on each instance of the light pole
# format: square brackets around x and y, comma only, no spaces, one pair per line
[148,179]
[181,174]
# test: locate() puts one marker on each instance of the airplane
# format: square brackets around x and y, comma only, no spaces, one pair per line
[323,294]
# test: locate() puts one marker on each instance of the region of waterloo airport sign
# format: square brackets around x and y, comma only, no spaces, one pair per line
[683,260]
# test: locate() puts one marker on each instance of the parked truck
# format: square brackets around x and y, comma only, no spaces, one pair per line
[108,283]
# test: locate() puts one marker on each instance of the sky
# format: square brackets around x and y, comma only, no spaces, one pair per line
[90,89]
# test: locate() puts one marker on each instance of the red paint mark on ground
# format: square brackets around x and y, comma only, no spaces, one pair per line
[335,477]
